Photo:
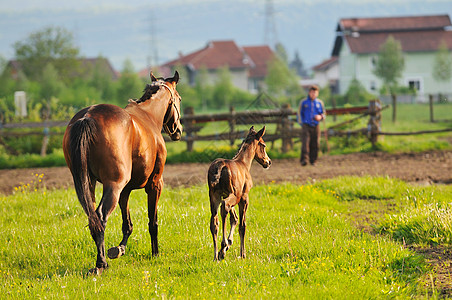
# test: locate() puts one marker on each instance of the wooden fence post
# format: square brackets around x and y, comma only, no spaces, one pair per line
[333,103]
[374,124]
[188,127]
[286,128]
[394,107]
[232,123]
[430,100]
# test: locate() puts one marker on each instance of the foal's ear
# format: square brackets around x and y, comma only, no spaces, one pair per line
[152,77]
[260,133]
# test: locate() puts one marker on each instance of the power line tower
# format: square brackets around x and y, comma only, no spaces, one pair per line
[270,35]
[153,47]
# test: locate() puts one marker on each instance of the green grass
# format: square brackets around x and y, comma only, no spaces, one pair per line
[301,243]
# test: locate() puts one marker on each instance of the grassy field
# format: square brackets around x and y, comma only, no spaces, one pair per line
[301,243]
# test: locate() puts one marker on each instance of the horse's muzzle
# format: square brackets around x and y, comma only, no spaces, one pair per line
[176,136]
[267,164]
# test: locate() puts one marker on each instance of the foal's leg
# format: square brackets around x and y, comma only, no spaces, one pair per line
[243,206]
[127,226]
[215,200]
[233,220]
[225,209]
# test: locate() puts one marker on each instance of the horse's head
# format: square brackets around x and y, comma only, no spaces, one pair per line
[172,119]
[260,154]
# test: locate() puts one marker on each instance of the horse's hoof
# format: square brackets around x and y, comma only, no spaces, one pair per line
[95,271]
[115,252]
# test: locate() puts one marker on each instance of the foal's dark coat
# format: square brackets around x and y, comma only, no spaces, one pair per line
[229,183]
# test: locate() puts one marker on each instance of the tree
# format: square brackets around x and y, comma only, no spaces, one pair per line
[52,45]
[390,62]
[282,82]
[130,86]
[223,90]
[442,67]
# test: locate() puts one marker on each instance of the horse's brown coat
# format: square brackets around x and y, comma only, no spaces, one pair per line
[124,150]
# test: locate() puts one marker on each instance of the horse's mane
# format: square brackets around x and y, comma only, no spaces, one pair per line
[149,90]
[249,138]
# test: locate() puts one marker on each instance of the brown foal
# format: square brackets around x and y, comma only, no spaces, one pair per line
[229,183]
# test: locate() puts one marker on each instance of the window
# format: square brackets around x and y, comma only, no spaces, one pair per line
[373,62]
[373,86]
[415,84]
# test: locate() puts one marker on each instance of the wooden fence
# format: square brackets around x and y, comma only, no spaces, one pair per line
[284,118]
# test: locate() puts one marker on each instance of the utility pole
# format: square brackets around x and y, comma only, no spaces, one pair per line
[270,35]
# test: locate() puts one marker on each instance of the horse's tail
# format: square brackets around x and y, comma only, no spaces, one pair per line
[83,133]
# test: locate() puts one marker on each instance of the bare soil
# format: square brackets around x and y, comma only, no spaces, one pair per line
[433,167]
[427,168]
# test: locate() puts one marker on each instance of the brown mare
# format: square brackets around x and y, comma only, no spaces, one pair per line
[124,150]
[229,183]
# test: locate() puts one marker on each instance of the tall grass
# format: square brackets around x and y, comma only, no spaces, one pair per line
[299,241]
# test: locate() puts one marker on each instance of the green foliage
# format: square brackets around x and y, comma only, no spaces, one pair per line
[298,241]
[355,95]
[390,63]
[129,85]
[282,82]
[51,45]
[442,67]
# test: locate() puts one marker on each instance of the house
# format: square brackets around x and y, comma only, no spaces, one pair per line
[358,42]
[247,65]
[327,74]
[85,69]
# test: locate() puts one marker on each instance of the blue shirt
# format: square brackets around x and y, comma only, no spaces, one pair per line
[308,109]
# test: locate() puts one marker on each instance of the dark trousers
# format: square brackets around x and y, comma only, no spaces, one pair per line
[310,143]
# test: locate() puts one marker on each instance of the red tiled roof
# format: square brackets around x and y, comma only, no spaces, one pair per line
[410,41]
[325,64]
[395,23]
[215,55]
[260,56]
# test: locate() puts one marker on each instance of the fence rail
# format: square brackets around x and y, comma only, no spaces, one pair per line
[283,117]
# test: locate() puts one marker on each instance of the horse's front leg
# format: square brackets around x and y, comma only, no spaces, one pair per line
[127,226]
[154,189]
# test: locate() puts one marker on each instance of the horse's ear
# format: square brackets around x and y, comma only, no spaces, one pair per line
[152,77]
[176,77]
[260,133]
[252,129]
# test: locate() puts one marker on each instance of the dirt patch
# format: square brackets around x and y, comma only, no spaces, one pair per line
[421,168]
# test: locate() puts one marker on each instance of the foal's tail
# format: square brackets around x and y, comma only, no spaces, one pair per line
[219,175]
[83,133]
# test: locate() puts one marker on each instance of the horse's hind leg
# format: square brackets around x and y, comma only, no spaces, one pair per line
[225,209]
[214,224]
[233,220]
[108,203]
[243,206]
[127,226]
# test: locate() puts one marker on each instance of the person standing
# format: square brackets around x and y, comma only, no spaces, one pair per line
[310,112]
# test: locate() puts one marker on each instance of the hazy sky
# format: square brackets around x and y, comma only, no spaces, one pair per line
[143,31]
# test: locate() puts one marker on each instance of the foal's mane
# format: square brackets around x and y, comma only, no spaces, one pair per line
[149,90]
[246,142]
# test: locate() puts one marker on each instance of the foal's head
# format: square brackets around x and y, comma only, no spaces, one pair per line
[256,143]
